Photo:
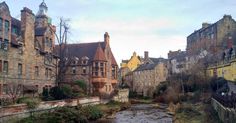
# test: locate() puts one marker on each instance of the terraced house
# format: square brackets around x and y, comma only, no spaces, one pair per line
[26,45]
[150,74]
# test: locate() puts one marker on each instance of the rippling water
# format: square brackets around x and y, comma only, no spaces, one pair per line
[140,113]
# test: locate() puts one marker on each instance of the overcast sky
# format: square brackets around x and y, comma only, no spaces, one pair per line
[156,26]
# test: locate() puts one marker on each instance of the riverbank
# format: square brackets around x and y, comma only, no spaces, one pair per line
[140,113]
[200,112]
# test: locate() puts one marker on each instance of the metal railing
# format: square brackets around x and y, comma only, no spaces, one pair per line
[226,100]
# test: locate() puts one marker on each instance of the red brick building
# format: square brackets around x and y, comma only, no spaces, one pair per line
[95,64]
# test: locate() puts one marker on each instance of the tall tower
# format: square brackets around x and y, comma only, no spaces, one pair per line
[42,19]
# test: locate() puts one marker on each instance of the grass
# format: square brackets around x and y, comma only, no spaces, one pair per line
[112,107]
[196,113]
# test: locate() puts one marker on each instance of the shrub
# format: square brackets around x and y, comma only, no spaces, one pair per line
[81,84]
[92,112]
[61,92]
[31,103]
[217,83]
[133,94]
[160,89]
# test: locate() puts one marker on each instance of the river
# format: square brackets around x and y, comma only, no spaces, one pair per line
[141,113]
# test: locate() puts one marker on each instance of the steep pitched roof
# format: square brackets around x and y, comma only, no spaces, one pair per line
[113,60]
[99,54]
[82,49]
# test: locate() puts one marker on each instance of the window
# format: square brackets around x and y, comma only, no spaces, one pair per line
[5,45]
[50,73]
[73,70]
[84,62]
[36,71]
[46,72]
[19,69]
[1,43]
[0,66]
[95,69]
[102,69]
[15,30]
[84,70]
[5,89]
[5,67]
[113,72]
[6,29]
[1,24]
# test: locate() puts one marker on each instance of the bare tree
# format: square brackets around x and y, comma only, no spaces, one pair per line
[14,91]
[62,51]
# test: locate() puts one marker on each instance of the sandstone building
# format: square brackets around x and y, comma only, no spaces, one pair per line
[148,76]
[93,63]
[26,46]
[214,38]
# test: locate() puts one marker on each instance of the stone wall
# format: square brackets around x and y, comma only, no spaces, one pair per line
[21,110]
[122,95]
[227,115]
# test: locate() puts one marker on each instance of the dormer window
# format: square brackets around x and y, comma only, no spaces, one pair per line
[73,70]
[84,60]
[1,23]
[74,62]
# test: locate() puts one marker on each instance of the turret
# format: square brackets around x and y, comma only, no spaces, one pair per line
[42,19]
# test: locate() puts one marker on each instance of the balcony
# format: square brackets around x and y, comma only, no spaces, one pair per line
[99,80]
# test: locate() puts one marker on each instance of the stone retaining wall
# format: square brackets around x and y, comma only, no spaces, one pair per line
[227,115]
[122,95]
[21,110]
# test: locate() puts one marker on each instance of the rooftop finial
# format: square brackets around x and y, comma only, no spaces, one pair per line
[42,9]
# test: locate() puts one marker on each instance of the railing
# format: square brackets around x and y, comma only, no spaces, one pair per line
[226,100]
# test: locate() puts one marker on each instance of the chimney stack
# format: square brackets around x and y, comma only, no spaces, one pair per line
[146,55]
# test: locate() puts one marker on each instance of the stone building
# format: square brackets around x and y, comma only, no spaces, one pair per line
[179,62]
[214,38]
[93,63]
[26,46]
[127,67]
[148,76]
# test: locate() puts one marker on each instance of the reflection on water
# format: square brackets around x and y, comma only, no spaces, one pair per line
[140,113]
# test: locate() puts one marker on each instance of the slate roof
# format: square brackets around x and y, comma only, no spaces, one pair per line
[180,56]
[15,22]
[86,49]
[157,60]
[146,67]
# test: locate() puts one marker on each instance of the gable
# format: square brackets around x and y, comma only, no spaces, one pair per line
[4,9]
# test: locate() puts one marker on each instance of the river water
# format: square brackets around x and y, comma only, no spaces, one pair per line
[140,113]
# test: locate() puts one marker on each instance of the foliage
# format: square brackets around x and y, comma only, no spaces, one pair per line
[92,112]
[218,83]
[31,103]
[77,114]
[133,94]
[81,84]
[61,92]
[45,94]
[161,88]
